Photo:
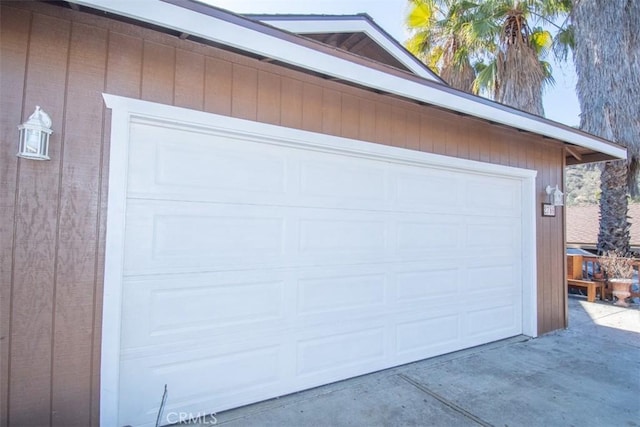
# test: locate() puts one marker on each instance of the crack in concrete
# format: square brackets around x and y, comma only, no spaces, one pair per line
[446,402]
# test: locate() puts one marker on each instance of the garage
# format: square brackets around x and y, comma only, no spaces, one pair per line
[254,261]
[238,212]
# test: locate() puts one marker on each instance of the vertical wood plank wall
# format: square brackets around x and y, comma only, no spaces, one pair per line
[52,223]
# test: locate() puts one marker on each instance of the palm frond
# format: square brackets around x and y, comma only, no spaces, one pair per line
[548,81]
[486,78]
[420,14]
[563,43]
[541,41]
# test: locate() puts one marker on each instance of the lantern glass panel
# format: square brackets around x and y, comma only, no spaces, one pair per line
[33,141]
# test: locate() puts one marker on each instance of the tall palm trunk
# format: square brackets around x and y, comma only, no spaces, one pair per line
[607,59]
[519,72]
[459,74]
[614,226]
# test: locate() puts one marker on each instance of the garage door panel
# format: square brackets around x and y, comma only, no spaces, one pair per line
[428,235]
[356,236]
[497,278]
[170,236]
[183,165]
[424,190]
[201,166]
[167,236]
[321,295]
[179,309]
[423,284]
[198,379]
[488,234]
[255,268]
[336,181]
[339,351]
[486,195]
[492,320]
[443,332]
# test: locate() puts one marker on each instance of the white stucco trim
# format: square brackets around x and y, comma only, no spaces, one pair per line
[124,110]
[240,37]
[529,259]
[114,266]
[327,25]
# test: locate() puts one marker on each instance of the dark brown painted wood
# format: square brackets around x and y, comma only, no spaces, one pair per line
[53,249]
[383,123]
[413,130]
[77,239]
[398,126]
[331,112]
[544,292]
[218,82]
[36,223]
[269,96]
[439,129]
[350,116]
[451,137]
[189,80]
[312,107]
[244,95]
[426,136]
[14,39]
[558,257]
[367,120]
[124,65]
[291,104]
[158,70]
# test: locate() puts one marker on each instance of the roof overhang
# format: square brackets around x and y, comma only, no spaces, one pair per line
[243,34]
[362,23]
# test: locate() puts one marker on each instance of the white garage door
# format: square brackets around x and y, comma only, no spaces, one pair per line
[255,268]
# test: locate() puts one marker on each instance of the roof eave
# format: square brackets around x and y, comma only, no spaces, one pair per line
[250,36]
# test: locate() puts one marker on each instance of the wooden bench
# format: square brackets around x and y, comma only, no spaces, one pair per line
[578,275]
[591,286]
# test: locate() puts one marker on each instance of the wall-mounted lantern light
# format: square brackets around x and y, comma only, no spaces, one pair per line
[34,136]
[556,197]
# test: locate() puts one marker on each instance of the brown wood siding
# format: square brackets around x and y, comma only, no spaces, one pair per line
[53,214]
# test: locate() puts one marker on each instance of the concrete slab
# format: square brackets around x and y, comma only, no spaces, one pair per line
[586,375]
[381,400]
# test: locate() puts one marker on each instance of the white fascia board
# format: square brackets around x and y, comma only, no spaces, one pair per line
[221,31]
[326,25]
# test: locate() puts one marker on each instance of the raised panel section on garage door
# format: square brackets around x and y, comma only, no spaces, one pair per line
[254,267]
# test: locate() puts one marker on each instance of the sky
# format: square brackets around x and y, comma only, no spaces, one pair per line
[560,101]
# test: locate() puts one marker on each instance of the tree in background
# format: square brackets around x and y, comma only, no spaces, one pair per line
[441,40]
[489,43]
[607,60]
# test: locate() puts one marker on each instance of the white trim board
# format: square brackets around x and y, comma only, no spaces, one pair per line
[126,110]
[353,25]
[246,39]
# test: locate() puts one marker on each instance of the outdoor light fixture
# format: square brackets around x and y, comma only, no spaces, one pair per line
[556,197]
[34,136]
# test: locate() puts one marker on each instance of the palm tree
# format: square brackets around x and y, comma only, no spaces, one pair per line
[521,75]
[607,60]
[439,40]
[495,38]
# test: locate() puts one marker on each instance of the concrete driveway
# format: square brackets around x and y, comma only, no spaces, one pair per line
[587,375]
